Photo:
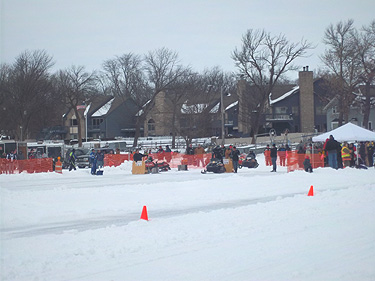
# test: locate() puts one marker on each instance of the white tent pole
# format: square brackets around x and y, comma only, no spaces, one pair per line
[357,152]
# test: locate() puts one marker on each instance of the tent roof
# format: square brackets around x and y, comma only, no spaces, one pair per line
[347,132]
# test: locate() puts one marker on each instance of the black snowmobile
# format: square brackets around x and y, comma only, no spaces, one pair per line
[161,166]
[215,166]
[249,161]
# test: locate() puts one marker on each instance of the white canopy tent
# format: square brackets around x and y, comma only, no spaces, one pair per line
[348,132]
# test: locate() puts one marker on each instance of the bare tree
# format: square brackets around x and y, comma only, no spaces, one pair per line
[342,59]
[125,78]
[74,86]
[25,86]
[179,92]
[365,47]
[263,60]
[162,69]
[201,103]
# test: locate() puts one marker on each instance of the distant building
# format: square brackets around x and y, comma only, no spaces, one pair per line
[105,117]
[291,108]
[356,113]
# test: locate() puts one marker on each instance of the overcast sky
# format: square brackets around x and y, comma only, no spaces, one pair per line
[204,33]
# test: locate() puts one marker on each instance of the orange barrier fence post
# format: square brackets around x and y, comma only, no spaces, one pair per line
[58,166]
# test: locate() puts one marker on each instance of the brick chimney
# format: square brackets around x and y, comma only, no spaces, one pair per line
[306,99]
[243,112]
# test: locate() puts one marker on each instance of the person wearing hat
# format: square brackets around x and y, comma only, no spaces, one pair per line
[307,164]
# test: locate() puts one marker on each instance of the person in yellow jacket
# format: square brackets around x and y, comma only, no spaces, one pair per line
[345,154]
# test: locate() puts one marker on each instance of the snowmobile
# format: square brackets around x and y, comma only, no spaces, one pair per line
[215,166]
[248,161]
[161,166]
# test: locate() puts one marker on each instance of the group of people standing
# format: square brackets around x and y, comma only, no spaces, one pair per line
[231,152]
[344,155]
[270,154]
[96,160]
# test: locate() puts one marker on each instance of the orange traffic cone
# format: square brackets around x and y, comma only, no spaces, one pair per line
[144,214]
[311,191]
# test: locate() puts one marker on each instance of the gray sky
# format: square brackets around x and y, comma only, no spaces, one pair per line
[202,32]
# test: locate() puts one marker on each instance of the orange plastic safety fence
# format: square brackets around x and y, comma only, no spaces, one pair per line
[30,166]
[295,161]
[115,159]
[281,158]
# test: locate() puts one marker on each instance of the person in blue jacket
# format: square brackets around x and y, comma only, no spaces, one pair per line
[93,158]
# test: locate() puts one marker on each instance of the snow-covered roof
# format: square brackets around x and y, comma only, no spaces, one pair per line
[140,112]
[103,110]
[87,110]
[195,108]
[284,96]
[215,109]
[231,105]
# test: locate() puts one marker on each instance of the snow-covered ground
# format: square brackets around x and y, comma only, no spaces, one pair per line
[254,225]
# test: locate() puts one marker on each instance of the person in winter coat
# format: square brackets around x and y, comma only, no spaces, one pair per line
[100,159]
[307,164]
[353,156]
[345,155]
[160,153]
[273,155]
[267,155]
[93,160]
[92,156]
[137,156]
[12,156]
[168,154]
[190,150]
[199,152]
[235,155]
[72,160]
[331,148]
[282,155]
[217,153]
[370,153]
[227,152]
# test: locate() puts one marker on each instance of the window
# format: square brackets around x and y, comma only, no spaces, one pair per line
[97,121]
[334,110]
[281,110]
[295,110]
[334,125]
[73,122]
[370,125]
[151,126]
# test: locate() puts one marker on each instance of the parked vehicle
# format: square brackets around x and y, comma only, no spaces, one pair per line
[78,152]
[83,160]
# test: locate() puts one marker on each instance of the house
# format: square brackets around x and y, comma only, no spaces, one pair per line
[104,117]
[291,108]
[196,116]
[356,111]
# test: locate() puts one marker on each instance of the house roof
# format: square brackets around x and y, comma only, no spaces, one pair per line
[103,110]
[104,106]
[292,91]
